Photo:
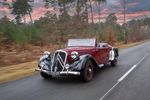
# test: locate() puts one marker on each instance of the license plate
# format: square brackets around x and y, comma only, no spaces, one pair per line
[55,73]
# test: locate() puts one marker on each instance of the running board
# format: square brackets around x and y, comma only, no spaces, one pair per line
[101,65]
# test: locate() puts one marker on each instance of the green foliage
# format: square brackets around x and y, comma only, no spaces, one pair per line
[21,33]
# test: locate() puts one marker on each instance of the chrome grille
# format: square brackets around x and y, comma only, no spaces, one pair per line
[59,61]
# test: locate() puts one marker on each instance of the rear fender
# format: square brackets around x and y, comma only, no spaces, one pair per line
[112,55]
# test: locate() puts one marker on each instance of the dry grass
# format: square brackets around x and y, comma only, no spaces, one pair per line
[123,46]
[18,71]
[15,72]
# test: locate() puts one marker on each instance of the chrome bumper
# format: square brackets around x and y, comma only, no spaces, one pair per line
[58,73]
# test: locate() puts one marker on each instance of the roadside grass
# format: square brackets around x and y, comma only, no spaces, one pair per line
[123,46]
[19,71]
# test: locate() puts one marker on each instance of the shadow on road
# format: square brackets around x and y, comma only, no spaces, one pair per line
[77,79]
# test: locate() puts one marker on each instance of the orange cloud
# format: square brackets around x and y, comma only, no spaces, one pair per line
[4,9]
[120,17]
[39,12]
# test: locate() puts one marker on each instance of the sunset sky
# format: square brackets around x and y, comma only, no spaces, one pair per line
[135,9]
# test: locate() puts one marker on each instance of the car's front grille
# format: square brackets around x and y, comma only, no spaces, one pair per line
[59,61]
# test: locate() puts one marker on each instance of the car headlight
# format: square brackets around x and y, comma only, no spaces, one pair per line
[45,55]
[75,55]
[43,65]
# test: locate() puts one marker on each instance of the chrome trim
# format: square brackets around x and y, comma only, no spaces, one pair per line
[41,70]
[101,65]
[63,66]
[59,73]
[70,73]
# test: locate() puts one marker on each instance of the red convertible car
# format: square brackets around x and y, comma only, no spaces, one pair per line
[79,57]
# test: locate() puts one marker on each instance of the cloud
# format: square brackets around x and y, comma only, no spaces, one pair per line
[134,9]
[39,12]
[4,9]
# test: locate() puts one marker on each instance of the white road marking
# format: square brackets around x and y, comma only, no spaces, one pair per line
[109,91]
[127,73]
[123,77]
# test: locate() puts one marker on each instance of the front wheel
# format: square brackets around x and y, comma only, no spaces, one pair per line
[87,72]
[45,76]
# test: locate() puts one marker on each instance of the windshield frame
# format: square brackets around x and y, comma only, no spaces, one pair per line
[77,42]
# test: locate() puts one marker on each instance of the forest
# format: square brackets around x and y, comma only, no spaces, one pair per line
[72,19]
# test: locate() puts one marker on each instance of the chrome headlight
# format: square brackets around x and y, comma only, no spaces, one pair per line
[75,55]
[45,55]
[43,65]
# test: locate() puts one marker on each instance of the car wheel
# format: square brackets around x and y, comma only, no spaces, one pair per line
[114,62]
[87,72]
[45,76]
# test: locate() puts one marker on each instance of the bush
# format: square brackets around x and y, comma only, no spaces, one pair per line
[21,33]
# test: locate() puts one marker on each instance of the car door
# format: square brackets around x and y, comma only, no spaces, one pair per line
[102,53]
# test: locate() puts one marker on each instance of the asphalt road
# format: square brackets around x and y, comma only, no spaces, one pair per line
[133,70]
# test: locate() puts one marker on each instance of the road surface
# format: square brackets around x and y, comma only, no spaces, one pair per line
[130,80]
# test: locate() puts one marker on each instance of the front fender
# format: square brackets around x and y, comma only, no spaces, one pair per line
[83,59]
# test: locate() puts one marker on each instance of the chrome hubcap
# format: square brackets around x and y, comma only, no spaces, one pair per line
[89,72]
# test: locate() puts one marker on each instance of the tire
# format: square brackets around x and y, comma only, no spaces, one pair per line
[45,76]
[87,72]
[114,63]
[116,52]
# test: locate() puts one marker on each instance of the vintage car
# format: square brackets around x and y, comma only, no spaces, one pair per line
[80,57]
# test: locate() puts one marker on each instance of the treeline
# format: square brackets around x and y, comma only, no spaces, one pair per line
[69,20]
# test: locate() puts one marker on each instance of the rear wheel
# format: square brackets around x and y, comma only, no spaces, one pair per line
[87,72]
[45,76]
[114,62]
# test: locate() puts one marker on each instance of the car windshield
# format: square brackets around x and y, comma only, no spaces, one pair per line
[81,42]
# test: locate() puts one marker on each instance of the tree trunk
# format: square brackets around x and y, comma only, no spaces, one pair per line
[99,11]
[78,8]
[91,11]
[125,33]
[99,18]
[86,12]
[24,19]
[30,18]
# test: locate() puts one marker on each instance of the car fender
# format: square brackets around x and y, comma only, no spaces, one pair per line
[83,60]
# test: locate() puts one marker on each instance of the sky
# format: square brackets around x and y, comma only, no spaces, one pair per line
[136,9]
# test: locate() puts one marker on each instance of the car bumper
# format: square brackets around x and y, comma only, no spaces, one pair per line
[58,73]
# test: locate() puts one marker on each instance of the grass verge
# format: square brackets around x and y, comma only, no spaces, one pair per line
[18,71]
[123,46]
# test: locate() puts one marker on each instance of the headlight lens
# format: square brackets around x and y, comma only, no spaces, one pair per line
[43,57]
[43,65]
[75,55]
